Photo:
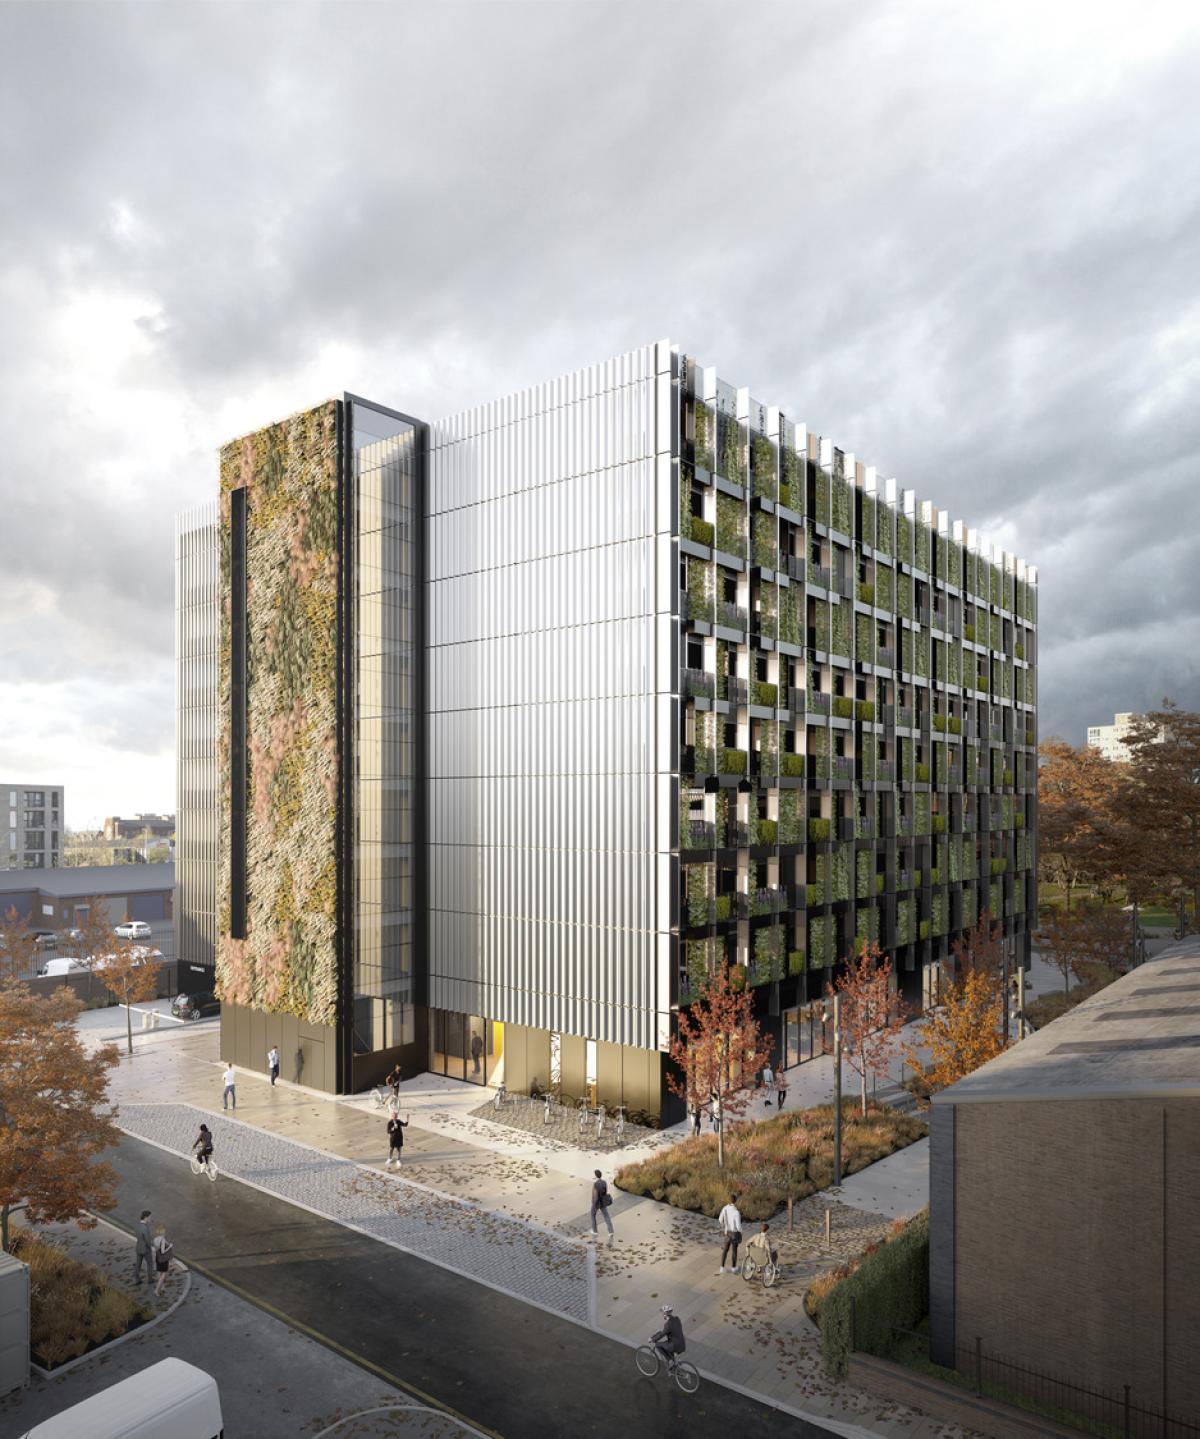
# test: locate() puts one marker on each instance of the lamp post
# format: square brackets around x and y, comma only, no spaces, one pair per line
[837,1086]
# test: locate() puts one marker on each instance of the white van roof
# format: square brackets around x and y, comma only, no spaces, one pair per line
[169,1400]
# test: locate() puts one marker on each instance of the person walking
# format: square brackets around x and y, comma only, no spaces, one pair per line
[163,1252]
[229,1079]
[768,1083]
[273,1064]
[601,1200]
[730,1221]
[781,1089]
[476,1051]
[145,1244]
[395,1130]
[696,1113]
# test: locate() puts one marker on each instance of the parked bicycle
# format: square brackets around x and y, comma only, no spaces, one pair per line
[620,1128]
[584,1114]
[600,1115]
[500,1097]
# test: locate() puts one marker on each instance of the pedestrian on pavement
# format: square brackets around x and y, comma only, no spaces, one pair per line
[476,1051]
[163,1253]
[601,1199]
[781,1088]
[273,1064]
[730,1221]
[230,1081]
[145,1243]
[768,1079]
[395,1129]
[714,1113]
[696,1112]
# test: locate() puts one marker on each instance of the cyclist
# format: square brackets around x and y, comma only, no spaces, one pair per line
[669,1341]
[204,1143]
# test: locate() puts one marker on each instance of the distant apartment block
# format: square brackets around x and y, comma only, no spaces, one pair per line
[32,819]
[156,826]
[1112,739]
[509,728]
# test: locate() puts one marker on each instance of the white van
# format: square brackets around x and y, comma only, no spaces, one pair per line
[60,967]
[170,1400]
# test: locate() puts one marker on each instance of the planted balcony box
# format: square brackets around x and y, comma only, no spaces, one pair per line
[701,531]
[843,708]
[864,710]
[763,460]
[843,510]
[939,824]
[731,527]
[704,436]
[939,723]
[791,765]
[795,961]
[765,693]
[732,761]
[922,774]
[768,830]
[818,829]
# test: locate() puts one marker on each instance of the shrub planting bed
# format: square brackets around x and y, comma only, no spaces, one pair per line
[770,1161]
[73,1307]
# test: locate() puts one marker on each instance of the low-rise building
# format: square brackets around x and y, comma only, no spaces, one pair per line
[57,899]
[1064,1228]
[141,826]
[31,825]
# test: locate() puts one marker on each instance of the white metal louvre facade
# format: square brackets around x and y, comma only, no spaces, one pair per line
[551,657]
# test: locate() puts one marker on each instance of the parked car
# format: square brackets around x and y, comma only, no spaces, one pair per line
[195,1006]
[133,929]
[57,967]
[171,1398]
[141,954]
[48,939]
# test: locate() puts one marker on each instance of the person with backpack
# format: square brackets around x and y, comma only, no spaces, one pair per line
[730,1220]
[164,1252]
[601,1200]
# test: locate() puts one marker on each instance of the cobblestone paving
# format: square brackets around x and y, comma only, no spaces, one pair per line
[505,1253]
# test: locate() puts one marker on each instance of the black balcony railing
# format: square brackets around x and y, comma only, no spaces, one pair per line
[731,615]
[768,899]
[818,702]
[904,716]
[698,682]
[796,701]
[819,575]
[885,658]
[794,566]
[697,834]
[843,767]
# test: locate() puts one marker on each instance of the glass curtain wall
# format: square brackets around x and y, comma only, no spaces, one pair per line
[385,453]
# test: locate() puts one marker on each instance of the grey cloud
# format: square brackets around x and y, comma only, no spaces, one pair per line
[970,259]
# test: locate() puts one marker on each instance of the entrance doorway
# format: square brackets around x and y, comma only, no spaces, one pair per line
[464,1046]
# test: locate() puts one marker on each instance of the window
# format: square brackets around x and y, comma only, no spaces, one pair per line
[35,797]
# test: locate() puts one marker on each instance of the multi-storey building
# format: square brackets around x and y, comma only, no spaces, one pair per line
[1112,740]
[31,816]
[530,717]
[141,826]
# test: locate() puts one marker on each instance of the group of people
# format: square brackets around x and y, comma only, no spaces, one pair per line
[730,1220]
[154,1251]
[766,1082]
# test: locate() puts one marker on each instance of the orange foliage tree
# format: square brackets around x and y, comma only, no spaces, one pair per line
[1160,800]
[718,1046]
[54,1112]
[131,974]
[965,1032]
[872,1015]
[1077,803]
[18,948]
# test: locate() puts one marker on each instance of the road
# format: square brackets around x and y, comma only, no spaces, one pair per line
[509,1368]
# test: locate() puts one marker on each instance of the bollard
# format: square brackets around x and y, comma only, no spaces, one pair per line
[978,1367]
[791,1205]
[828,1222]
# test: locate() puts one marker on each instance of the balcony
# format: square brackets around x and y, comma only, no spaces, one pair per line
[864,826]
[904,716]
[796,701]
[770,899]
[904,824]
[731,761]
[819,575]
[843,767]
[730,615]
[846,827]
[766,694]
[698,682]
[818,702]
[794,567]
[697,759]
[886,771]
[738,835]
[736,691]
[885,657]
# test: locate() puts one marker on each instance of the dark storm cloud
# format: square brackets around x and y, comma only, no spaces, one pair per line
[969,256]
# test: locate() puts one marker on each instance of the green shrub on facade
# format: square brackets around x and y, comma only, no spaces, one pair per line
[287,963]
[820,942]
[701,531]
[731,527]
[704,436]
[840,635]
[766,541]
[698,881]
[884,538]
[903,539]
[921,813]
[731,761]
[789,615]
[699,585]
[923,774]
[821,492]
[941,912]
[843,510]
[866,925]
[840,874]
[843,708]
[867,533]
[955,725]
[790,829]
[921,557]
[885,588]
[731,438]
[864,710]
[864,865]
[879,878]
[818,829]
[999,866]
[905,921]
[790,486]
[996,898]
[820,628]
[939,722]
[763,455]
[768,830]
[766,693]
[904,596]
[938,822]
[923,929]
[796,961]
[791,765]
[722,907]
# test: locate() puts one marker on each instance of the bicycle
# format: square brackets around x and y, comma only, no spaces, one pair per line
[205,1166]
[600,1122]
[620,1127]
[501,1096]
[649,1362]
[752,1268]
[584,1112]
[381,1094]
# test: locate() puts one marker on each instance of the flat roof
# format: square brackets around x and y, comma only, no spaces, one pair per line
[1139,1038]
[84,879]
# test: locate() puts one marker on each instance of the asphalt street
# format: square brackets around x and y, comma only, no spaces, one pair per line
[507,1367]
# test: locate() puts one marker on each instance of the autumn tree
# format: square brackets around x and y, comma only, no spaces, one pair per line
[717,1044]
[131,974]
[872,1014]
[97,937]
[54,1112]
[980,948]
[18,946]
[1160,799]
[1086,943]
[1077,802]
[964,1033]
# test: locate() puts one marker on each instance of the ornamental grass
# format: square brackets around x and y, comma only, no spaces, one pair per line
[73,1307]
[769,1161]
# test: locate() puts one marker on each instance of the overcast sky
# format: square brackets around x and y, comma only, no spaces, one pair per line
[961,240]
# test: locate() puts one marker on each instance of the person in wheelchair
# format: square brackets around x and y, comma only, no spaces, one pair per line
[759,1248]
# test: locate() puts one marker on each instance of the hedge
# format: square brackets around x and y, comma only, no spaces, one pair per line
[890,1287]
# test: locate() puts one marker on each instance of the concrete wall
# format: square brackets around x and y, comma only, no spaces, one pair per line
[1076,1241]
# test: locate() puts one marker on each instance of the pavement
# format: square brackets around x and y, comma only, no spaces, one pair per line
[522,1235]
